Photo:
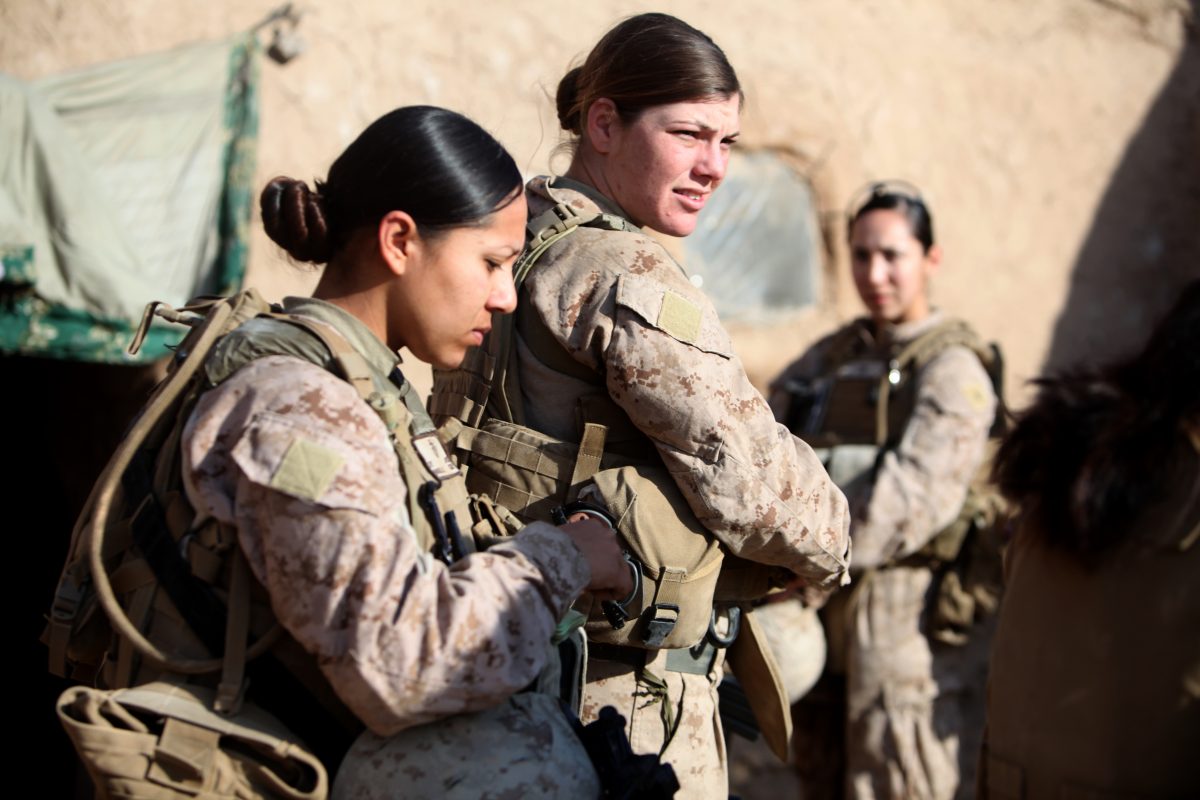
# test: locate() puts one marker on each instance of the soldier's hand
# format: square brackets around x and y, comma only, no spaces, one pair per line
[611,576]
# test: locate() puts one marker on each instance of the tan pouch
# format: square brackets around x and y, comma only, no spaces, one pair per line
[682,573]
[753,664]
[160,741]
[680,560]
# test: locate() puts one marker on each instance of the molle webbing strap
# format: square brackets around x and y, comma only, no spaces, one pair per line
[587,462]
[920,352]
[237,629]
[509,451]
[668,594]
[544,231]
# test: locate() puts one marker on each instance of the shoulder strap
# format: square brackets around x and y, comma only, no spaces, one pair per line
[544,231]
[924,349]
[935,341]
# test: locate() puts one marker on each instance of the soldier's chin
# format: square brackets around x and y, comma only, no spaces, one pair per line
[447,361]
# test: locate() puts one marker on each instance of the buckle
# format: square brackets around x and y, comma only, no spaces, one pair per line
[661,624]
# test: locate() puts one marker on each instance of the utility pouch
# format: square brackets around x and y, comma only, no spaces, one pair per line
[969,588]
[160,741]
[681,563]
[679,559]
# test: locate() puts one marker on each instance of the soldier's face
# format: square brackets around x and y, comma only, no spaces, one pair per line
[454,282]
[891,269]
[662,167]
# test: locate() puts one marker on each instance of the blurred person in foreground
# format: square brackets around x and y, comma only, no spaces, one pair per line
[1094,688]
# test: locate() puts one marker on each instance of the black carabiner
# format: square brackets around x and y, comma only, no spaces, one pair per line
[735,625]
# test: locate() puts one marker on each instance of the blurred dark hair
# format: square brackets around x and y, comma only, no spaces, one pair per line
[646,60]
[1099,448]
[899,196]
[437,166]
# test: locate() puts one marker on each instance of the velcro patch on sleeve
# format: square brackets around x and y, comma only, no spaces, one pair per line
[680,318]
[306,469]
[977,396]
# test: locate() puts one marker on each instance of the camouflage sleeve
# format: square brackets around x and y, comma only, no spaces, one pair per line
[920,486]
[293,458]
[623,307]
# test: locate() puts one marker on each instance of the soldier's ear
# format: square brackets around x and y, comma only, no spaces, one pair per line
[933,260]
[398,240]
[602,125]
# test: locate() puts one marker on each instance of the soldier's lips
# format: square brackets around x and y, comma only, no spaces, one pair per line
[878,300]
[478,334]
[692,199]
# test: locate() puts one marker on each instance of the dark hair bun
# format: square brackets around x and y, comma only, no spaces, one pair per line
[566,102]
[294,217]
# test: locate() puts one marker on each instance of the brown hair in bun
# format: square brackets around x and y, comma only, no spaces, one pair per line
[646,60]
[294,218]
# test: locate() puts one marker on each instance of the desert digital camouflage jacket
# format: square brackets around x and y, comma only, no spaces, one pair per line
[619,305]
[289,455]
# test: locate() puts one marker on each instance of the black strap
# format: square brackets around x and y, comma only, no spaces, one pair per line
[198,604]
[270,685]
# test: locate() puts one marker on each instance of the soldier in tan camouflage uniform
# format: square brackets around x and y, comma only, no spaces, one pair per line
[656,109]
[911,704]
[322,498]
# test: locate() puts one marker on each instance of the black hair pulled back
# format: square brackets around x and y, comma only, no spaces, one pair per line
[646,60]
[904,199]
[436,165]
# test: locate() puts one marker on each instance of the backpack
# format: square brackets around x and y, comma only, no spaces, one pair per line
[146,595]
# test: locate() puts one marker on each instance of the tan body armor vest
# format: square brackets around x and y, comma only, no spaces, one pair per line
[857,409]
[684,569]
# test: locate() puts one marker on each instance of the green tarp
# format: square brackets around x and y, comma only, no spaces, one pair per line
[121,184]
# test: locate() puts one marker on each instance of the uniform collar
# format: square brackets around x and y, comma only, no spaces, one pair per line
[904,332]
[378,355]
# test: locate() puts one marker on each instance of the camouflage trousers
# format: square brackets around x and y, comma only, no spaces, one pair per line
[915,707]
[673,714]
[906,717]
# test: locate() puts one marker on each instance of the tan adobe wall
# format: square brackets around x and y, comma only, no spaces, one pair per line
[1057,142]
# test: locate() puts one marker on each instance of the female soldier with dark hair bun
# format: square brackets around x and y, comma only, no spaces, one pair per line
[616,355]
[900,405]
[1094,689]
[335,499]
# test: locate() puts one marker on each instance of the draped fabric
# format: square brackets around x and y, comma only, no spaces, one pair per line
[121,184]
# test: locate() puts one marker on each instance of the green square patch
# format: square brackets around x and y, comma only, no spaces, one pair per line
[306,470]
[680,318]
